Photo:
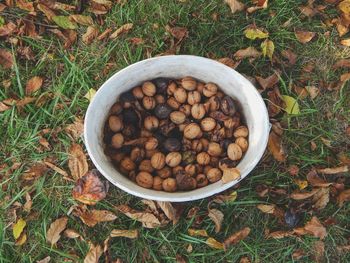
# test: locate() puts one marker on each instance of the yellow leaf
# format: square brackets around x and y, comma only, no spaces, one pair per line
[197,232]
[18,228]
[90,94]
[345,42]
[344,6]
[21,240]
[268,47]
[125,233]
[301,183]
[211,242]
[253,33]
[292,106]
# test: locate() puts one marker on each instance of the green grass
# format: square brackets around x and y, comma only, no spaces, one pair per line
[70,73]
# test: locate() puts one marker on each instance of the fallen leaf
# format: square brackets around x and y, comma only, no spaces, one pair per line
[77,162]
[298,254]
[168,210]
[254,33]
[279,234]
[92,217]
[229,62]
[342,63]
[180,259]
[315,228]
[58,170]
[47,11]
[197,232]
[318,251]
[217,217]
[321,199]
[2,7]
[292,106]
[104,34]
[33,84]
[7,29]
[26,53]
[28,204]
[3,107]
[276,148]
[89,36]
[249,52]
[302,184]
[22,4]
[35,171]
[308,10]
[64,22]
[230,174]
[22,102]
[313,146]
[68,36]
[345,42]
[268,82]
[93,254]
[100,7]
[44,260]
[290,55]
[313,91]
[315,180]
[189,249]
[179,33]
[267,47]
[343,249]
[245,259]
[304,36]
[81,19]
[90,189]
[71,233]
[121,30]
[211,242]
[344,196]
[293,170]
[236,237]
[275,102]
[344,6]
[75,129]
[147,219]
[21,240]
[6,58]
[268,209]
[54,232]
[90,94]
[152,205]
[18,228]
[334,170]
[125,233]
[261,4]
[235,5]
[220,199]
[345,77]
[303,195]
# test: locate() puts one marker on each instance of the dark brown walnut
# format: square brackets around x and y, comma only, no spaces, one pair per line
[172,145]
[127,164]
[228,106]
[202,180]
[132,175]
[165,172]
[214,103]
[188,157]
[169,185]
[162,111]
[214,161]
[226,163]
[218,134]
[186,144]
[150,153]
[117,156]
[137,154]
[146,166]
[160,99]
[205,143]
[116,108]
[197,146]
[115,123]
[185,182]
[218,115]
[177,169]
[157,183]
[144,179]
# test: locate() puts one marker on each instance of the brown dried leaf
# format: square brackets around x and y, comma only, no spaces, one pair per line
[90,189]
[275,102]
[343,197]
[342,63]
[22,102]
[44,260]
[220,199]
[197,232]
[71,233]
[35,171]
[90,35]
[229,62]
[148,220]
[279,234]
[75,129]
[298,254]
[125,233]
[93,254]
[121,30]
[245,259]
[304,36]
[235,5]
[104,34]
[6,58]
[33,84]
[7,29]
[313,91]
[177,32]
[217,217]
[345,77]
[345,42]
[168,210]
[28,204]
[308,10]
[69,36]
[269,82]
[321,199]
[236,237]
[2,7]
[100,7]
[315,180]
[268,209]
[318,251]
[315,228]
[56,227]
[22,4]
[58,170]
[211,242]
[3,107]
[136,40]
[92,217]
[47,11]
[77,162]
[249,52]
[290,55]
[276,148]
[180,259]
[230,174]
[82,20]
[303,195]
[334,170]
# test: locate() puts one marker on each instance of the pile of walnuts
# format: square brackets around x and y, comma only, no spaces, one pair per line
[175,134]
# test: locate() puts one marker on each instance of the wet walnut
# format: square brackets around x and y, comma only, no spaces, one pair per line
[115,123]
[151,123]
[208,124]
[177,117]
[180,95]
[157,183]
[198,111]
[185,182]
[158,160]
[169,185]
[192,131]
[165,172]
[144,179]
[214,175]
[117,140]
[189,83]
[173,159]
[148,88]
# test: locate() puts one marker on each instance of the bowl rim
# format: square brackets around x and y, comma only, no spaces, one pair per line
[171,197]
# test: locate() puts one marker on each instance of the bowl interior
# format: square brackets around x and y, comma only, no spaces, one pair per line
[207,70]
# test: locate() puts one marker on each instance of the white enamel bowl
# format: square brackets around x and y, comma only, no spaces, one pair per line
[207,70]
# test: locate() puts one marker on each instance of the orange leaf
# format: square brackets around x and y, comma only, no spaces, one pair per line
[236,237]
[343,197]
[315,228]
[304,36]
[121,30]
[276,148]
[92,217]
[33,84]
[6,59]
[90,35]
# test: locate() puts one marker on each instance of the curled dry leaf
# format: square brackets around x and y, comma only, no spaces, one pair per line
[249,52]
[321,199]
[235,5]
[121,30]
[268,82]
[275,102]
[179,33]
[236,237]
[58,170]
[220,199]
[7,29]
[298,254]
[342,63]
[268,209]
[217,217]
[343,197]
[47,11]
[318,251]
[303,195]
[35,171]
[304,36]
[345,77]
[54,232]
[279,234]
[90,189]
[152,205]
[104,34]
[75,129]
[197,232]
[77,163]
[81,19]
[100,7]
[6,58]
[290,55]
[147,219]
[3,107]
[28,204]
[315,228]
[168,210]
[213,243]
[229,62]
[334,170]
[68,36]
[125,233]
[93,254]
[71,233]
[90,35]
[230,174]
[315,180]
[313,91]
[92,217]
[44,260]
[275,147]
